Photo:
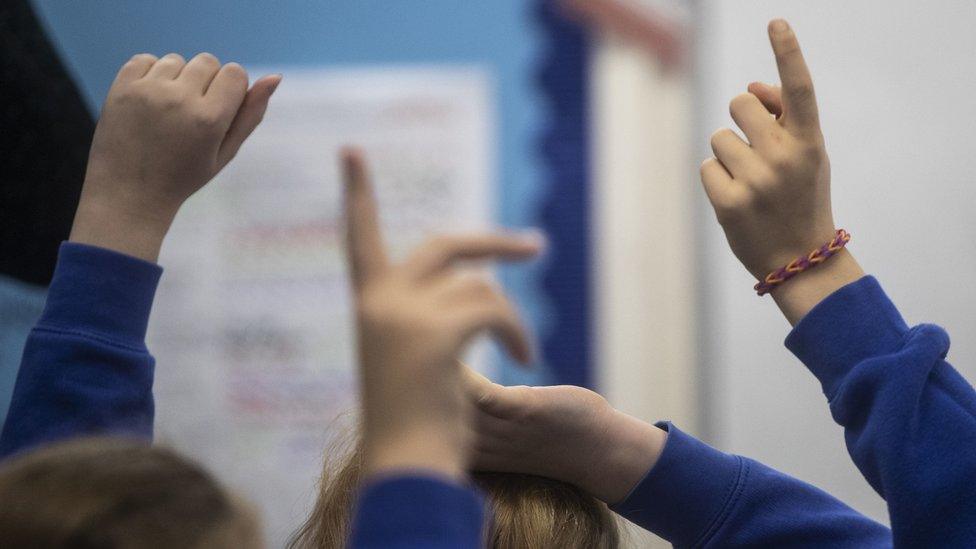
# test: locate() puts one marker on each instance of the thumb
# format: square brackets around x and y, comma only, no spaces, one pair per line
[247,118]
[490,397]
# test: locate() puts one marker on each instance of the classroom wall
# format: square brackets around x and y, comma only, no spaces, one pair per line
[894,80]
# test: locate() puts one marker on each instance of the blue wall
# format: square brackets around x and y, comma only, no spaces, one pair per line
[96,36]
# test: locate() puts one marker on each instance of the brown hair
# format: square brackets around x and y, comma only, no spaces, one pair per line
[111,493]
[524,510]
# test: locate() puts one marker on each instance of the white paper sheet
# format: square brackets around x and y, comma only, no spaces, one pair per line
[251,329]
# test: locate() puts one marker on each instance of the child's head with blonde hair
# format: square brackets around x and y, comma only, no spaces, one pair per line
[523,510]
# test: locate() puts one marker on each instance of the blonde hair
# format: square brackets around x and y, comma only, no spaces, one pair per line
[524,510]
[112,493]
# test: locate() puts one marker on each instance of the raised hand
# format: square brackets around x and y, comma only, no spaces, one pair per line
[414,320]
[771,192]
[167,127]
[562,432]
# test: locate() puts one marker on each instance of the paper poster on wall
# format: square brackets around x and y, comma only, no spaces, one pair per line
[252,329]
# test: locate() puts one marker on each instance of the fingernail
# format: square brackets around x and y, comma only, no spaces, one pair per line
[275,85]
[779,25]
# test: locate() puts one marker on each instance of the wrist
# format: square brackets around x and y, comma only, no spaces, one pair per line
[418,450]
[798,247]
[631,448]
[125,228]
[802,293]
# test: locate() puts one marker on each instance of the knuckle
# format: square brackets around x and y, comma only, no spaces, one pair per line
[530,409]
[142,57]
[737,199]
[740,102]
[706,166]
[208,58]
[802,92]
[207,119]
[486,399]
[168,101]
[235,70]
[717,136]
[741,202]
[129,94]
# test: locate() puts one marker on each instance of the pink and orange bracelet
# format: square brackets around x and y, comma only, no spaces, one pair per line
[803,263]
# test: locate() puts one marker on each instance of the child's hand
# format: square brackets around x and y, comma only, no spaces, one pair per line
[167,127]
[413,321]
[563,432]
[772,194]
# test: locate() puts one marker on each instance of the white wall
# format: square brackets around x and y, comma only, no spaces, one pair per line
[645,307]
[895,81]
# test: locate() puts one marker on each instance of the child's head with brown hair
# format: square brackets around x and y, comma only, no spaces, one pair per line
[523,510]
[111,493]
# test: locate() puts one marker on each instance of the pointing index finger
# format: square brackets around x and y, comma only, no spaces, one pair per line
[799,101]
[364,241]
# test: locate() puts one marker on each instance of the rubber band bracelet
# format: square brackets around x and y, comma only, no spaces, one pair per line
[803,263]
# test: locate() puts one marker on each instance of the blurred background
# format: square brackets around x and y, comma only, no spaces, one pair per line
[586,119]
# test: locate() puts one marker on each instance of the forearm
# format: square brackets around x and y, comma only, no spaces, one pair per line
[698,496]
[414,450]
[417,511]
[85,368]
[909,417]
[631,448]
[123,224]
[802,293]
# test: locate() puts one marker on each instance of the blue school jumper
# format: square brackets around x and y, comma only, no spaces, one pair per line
[909,421]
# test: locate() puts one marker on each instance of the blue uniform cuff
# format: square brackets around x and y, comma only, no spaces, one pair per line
[101,292]
[852,324]
[417,511]
[687,494]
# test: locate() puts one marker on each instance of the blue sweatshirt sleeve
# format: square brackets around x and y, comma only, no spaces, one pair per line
[407,512]
[85,368]
[909,418]
[697,496]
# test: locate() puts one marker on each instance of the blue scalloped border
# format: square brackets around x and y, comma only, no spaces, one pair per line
[564,146]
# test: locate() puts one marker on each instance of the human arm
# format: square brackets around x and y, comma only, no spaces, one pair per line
[909,418]
[413,320]
[166,129]
[655,475]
